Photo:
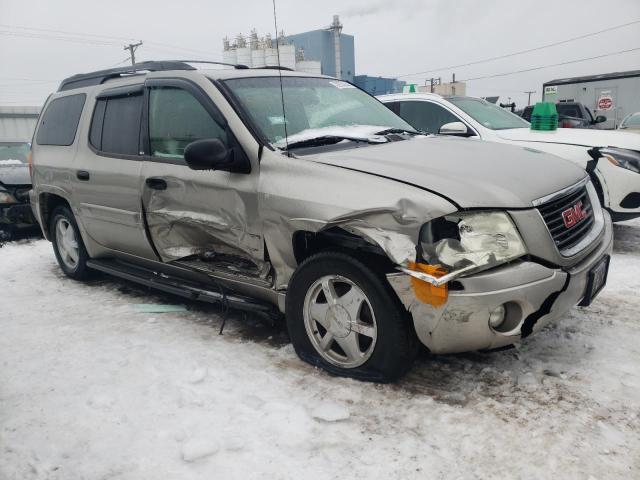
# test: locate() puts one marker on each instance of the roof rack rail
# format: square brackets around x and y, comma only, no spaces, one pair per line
[274,67]
[100,76]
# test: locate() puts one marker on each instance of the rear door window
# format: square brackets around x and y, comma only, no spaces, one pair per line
[60,120]
[176,119]
[115,126]
[426,116]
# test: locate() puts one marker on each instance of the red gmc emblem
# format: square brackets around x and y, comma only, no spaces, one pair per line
[574,215]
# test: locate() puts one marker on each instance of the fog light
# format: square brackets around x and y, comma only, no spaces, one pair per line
[496,317]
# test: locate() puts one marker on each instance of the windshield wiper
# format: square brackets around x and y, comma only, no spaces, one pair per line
[325,140]
[389,131]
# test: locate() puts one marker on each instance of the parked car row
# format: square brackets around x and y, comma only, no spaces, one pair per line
[570,115]
[280,192]
[611,158]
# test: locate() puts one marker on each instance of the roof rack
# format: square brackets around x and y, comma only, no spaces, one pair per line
[101,76]
[274,67]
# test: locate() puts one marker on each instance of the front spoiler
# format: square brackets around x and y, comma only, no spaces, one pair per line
[462,324]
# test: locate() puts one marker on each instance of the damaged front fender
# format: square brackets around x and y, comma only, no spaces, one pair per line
[386,213]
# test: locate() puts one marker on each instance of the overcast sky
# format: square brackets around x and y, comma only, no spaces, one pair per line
[392,38]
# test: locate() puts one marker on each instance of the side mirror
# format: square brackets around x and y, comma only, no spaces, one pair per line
[453,128]
[208,154]
[600,119]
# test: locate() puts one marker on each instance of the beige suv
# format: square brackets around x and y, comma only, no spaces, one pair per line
[276,192]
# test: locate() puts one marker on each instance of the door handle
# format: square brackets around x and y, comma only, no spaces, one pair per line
[82,175]
[156,183]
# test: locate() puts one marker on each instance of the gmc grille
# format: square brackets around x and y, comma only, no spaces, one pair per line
[552,213]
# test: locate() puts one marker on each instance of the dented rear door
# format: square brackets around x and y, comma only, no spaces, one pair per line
[194,215]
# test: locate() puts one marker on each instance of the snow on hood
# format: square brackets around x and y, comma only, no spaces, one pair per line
[12,173]
[472,174]
[575,136]
[362,132]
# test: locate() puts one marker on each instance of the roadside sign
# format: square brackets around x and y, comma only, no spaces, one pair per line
[550,93]
[605,102]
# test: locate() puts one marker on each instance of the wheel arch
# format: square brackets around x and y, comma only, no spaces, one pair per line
[47,203]
[307,243]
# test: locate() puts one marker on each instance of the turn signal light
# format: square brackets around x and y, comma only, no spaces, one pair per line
[30,163]
[612,160]
[426,292]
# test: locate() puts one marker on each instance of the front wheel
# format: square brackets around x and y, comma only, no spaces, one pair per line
[342,317]
[67,244]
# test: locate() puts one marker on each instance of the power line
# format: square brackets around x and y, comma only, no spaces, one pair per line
[19,27]
[46,36]
[619,52]
[513,54]
[78,37]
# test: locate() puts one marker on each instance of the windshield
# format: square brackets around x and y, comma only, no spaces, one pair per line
[488,114]
[632,121]
[312,106]
[13,151]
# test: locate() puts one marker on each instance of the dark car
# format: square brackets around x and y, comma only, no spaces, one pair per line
[570,115]
[15,183]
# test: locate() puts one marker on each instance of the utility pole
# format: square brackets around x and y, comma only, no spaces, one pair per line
[132,47]
[529,93]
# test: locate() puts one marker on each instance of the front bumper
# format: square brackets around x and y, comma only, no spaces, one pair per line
[621,190]
[527,288]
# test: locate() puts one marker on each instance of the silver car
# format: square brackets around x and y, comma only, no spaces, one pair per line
[280,193]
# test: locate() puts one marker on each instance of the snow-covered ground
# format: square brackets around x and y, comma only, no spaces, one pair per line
[90,388]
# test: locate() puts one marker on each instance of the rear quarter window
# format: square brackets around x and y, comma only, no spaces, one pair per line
[60,120]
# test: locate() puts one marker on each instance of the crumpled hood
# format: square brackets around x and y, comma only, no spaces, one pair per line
[470,173]
[14,174]
[588,137]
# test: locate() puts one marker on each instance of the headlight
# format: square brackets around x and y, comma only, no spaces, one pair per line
[6,197]
[621,157]
[469,242]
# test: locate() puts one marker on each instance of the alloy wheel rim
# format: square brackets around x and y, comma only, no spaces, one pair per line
[67,243]
[339,321]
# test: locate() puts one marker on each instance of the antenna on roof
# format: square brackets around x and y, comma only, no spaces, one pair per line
[284,116]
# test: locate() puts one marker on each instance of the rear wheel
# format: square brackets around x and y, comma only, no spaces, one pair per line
[67,244]
[343,317]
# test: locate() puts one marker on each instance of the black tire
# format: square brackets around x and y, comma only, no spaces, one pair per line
[80,271]
[396,345]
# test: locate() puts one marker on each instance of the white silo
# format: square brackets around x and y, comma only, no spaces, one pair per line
[243,52]
[257,50]
[309,66]
[258,58]
[229,56]
[228,52]
[288,56]
[287,52]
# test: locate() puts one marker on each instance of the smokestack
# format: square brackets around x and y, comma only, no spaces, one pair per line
[336,28]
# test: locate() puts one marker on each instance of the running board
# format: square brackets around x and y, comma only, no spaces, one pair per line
[183,288]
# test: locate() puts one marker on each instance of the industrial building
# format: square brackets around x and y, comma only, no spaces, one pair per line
[378,85]
[317,52]
[614,95]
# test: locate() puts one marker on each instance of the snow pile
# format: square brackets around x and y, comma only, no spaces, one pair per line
[90,388]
